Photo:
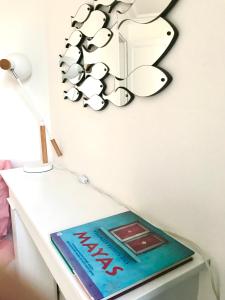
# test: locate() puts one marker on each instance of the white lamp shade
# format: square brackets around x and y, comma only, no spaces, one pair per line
[21,65]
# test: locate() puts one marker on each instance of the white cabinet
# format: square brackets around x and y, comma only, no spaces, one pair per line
[45,203]
[61,297]
[28,261]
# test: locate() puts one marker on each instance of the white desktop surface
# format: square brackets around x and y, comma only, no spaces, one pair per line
[55,200]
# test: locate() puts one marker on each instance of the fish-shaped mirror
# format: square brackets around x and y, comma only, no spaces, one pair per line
[74,74]
[154,81]
[117,43]
[70,57]
[82,14]
[90,87]
[146,43]
[95,102]
[99,3]
[145,11]
[96,21]
[74,39]
[120,97]
[101,38]
[111,3]
[72,94]
[98,71]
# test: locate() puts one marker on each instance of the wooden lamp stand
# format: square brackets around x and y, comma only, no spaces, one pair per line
[44,165]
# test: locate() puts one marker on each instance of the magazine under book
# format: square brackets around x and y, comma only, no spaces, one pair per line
[115,254]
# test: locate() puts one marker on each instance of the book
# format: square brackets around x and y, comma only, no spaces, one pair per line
[113,255]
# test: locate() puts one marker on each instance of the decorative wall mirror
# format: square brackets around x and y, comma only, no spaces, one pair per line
[113,51]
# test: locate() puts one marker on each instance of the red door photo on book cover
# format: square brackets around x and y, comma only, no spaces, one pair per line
[137,237]
[126,232]
[144,243]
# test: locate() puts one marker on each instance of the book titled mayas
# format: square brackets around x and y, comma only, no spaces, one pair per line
[117,253]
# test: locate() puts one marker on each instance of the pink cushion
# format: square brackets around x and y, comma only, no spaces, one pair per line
[6,252]
[4,207]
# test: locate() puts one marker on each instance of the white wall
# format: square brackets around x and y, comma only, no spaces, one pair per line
[23,30]
[165,155]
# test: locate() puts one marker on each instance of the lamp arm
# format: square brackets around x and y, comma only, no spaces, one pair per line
[37,115]
[26,100]
[11,66]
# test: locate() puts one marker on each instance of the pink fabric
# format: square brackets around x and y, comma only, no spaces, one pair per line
[4,207]
[6,252]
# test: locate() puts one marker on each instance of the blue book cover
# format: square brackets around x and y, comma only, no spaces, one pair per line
[117,253]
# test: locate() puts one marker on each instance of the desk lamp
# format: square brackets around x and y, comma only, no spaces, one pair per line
[20,67]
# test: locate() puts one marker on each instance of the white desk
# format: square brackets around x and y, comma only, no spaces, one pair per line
[48,202]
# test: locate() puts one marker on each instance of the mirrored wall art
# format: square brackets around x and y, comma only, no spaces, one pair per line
[114,50]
